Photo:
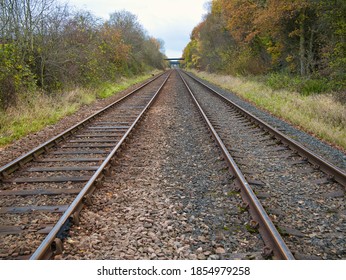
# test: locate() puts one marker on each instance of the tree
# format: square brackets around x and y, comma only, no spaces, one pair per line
[44,44]
[133,35]
[256,36]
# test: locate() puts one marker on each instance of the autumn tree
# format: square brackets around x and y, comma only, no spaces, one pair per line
[133,35]
[47,45]
[257,36]
[153,50]
[193,52]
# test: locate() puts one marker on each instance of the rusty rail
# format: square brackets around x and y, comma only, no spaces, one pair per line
[50,243]
[29,156]
[338,174]
[271,236]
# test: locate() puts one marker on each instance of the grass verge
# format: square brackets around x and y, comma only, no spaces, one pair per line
[38,110]
[322,115]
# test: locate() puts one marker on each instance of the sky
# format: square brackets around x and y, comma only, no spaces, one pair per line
[169,20]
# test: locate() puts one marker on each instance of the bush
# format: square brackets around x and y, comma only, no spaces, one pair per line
[311,86]
[305,86]
[15,76]
[278,81]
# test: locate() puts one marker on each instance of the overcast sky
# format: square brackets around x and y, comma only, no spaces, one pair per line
[169,20]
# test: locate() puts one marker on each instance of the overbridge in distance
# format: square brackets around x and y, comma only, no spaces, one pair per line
[172,59]
[174,62]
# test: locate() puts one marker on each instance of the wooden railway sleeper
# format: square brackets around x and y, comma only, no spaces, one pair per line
[72,214]
[13,168]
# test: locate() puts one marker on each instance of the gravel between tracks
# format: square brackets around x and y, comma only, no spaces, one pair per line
[169,197]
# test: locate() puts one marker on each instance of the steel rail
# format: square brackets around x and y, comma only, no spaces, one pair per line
[338,174]
[29,156]
[78,201]
[269,233]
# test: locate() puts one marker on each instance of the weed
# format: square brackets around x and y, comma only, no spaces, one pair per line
[226,228]
[302,85]
[250,229]
[241,209]
[232,193]
[281,231]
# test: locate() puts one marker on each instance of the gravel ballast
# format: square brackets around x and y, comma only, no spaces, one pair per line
[306,206]
[333,155]
[170,195]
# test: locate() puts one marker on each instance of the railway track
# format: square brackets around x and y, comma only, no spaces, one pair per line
[295,198]
[43,191]
[303,194]
[169,196]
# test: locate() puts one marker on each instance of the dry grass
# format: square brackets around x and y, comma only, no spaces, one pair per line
[38,110]
[322,115]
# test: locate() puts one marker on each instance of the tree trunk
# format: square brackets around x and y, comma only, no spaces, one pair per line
[310,55]
[42,72]
[302,45]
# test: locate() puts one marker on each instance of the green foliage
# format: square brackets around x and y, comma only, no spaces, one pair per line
[303,85]
[311,86]
[251,229]
[49,50]
[14,76]
[245,62]
[279,81]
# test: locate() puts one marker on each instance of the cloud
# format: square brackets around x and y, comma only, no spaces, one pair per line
[171,21]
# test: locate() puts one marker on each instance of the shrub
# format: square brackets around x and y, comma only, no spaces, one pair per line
[311,86]
[302,85]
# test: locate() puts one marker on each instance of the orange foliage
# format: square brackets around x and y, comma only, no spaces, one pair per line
[113,45]
[241,15]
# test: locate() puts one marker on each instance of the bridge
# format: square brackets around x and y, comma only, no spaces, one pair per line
[174,62]
[181,58]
